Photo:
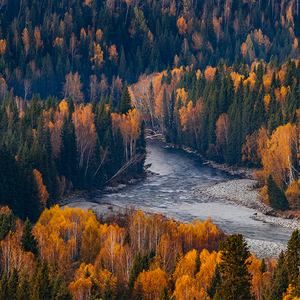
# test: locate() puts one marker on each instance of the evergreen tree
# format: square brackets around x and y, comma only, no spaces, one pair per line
[107,292]
[23,289]
[137,268]
[13,283]
[280,278]
[164,294]
[41,288]
[197,264]
[292,257]
[236,279]
[277,198]
[28,241]
[215,283]
[4,289]
[125,104]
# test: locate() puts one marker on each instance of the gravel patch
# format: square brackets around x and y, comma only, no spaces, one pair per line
[263,249]
[239,191]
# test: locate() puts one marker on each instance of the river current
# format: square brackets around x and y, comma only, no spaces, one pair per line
[171,192]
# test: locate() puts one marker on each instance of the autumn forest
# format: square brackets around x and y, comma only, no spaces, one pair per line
[82,82]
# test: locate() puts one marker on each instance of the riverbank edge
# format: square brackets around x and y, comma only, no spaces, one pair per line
[268,215]
[89,195]
[242,172]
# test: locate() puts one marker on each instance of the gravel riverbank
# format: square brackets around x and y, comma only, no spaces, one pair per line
[241,192]
[263,249]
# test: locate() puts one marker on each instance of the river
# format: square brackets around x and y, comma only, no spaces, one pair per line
[171,192]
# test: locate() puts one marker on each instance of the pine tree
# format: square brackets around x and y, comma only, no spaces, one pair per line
[136,269]
[13,283]
[41,288]
[215,283]
[125,105]
[4,291]
[236,279]
[23,289]
[277,198]
[197,264]
[164,294]
[64,293]
[28,241]
[292,257]
[280,278]
[107,292]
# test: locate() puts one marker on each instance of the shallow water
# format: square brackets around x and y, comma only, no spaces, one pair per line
[171,193]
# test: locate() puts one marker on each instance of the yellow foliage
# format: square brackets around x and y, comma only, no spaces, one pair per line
[43,194]
[152,283]
[182,94]
[289,292]
[182,26]
[2,46]
[97,59]
[63,106]
[292,193]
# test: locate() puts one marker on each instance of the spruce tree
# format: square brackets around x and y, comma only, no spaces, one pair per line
[236,279]
[292,257]
[125,101]
[23,289]
[277,198]
[13,283]
[4,291]
[136,269]
[164,294]
[107,292]
[215,283]
[28,241]
[280,278]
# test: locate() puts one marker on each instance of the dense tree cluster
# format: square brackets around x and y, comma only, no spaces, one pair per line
[69,254]
[74,254]
[47,46]
[48,147]
[237,114]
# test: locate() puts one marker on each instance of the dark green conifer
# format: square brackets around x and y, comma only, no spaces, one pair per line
[13,283]
[28,241]
[164,294]
[4,289]
[215,283]
[292,257]
[24,288]
[280,278]
[236,279]
[277,198]
[107,292]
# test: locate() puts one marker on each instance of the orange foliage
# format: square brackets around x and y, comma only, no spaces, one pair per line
[12,254]
[97,59]
[38,41]
[130,129]
[43,194]
[292,194]
[152,283]
[2,46]
[26,41]
[113,54]
[278,156]
[222,130]
[259,279]
[209,73]
[182,26]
